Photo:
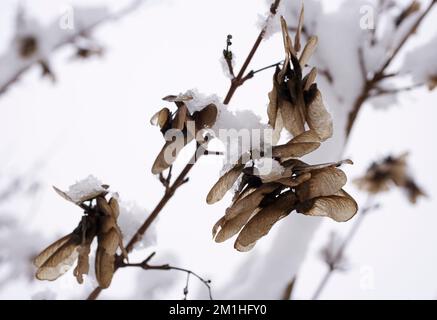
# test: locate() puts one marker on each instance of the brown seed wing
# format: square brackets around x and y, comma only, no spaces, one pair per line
[292,117]
[325,182]
[115,207]
[224,184]
[105,257]
[160,118]
[206,117]
[318,118]
[294,150]
[308,168]
[272,109]
[340,207]
[250,202]
[180,118]
[308,51]
[161,163]
[263,221]
[231,227]
[295,181]
[104,207]
[297,43]
[309,79]
[50,250]
[60,261]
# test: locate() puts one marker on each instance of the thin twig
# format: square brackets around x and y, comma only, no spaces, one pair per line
[166,180]
[252,73]
[236,82]
[181,179]
[340,253]
[381,73]
[228,56]
[362,63]
[268,67]
[166,267]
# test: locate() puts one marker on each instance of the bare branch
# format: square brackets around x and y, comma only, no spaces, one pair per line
[166,267]
[237,81]
[381,73]
[362,63]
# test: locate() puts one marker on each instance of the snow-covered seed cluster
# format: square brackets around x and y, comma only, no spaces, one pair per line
[262,200]
[177,124]
[99,221]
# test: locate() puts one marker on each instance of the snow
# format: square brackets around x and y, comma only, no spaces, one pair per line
[85,189]
[225,67]
[201,100]
[131,217]
[233,128]
[268,168]
[421,63]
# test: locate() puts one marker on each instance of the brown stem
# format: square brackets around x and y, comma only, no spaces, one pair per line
[371,83]
[238,80]
[165,267]
[181,179]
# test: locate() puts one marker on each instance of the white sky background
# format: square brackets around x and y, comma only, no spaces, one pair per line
[95,120]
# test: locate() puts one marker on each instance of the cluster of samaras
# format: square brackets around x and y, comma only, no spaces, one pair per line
[390,171]
[99,221]
[261,200]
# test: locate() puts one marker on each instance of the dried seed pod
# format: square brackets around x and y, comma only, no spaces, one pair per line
[206,117]
[263,221]
[115,207]
[295,181]
[308,51]
[251,201]
[260,199]
[303,167]
[104,206]
[318,118]
[288,44]
[180,118]
[297,44]
[57,258]
[178,98]
[108,243]
[340,207]
[224,184]
[229,228]
[161,118]
[309,79]
[324,182]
